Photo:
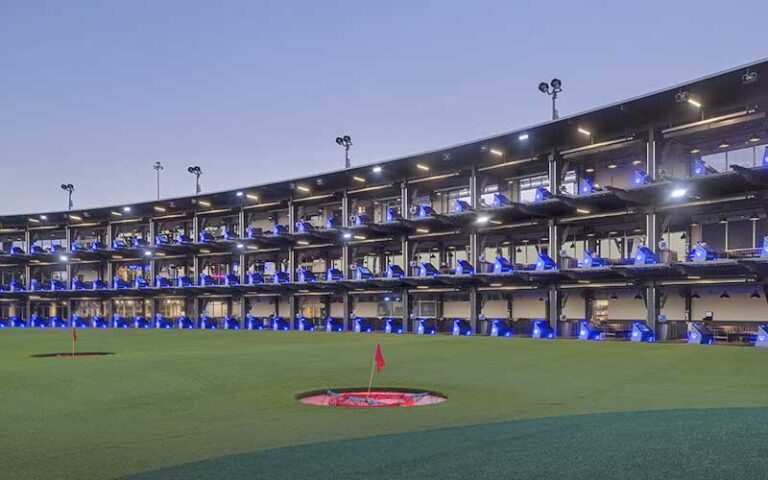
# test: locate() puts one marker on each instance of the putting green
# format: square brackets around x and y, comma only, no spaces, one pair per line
[215,403]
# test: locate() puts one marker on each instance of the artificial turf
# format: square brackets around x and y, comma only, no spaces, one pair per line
[205,405]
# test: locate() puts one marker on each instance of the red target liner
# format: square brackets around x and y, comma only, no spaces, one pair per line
[375,399]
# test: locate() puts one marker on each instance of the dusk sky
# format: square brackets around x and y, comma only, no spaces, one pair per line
[93,93]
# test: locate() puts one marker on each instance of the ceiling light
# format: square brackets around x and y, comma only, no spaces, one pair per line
[754,217]
[63,258]
[637,162]
[359,237]
[359,179]
[589,170]
[724,144]
[695,151]
[612,165]
[498,153]
[34,220]
[302,188]
[722,220]
[422,230]
[117,214]
[347,235]
[239,194]
[204,203]
[147,253]
[159,209]
[754,138]
[694,102]
[422,167]
[303,242]
[126,209]
[43,217]
[240,246]
[251,196]
[581,210]
[584,132]
[678,192]
[522,137]
[482,219]
[75,217]
[376,169]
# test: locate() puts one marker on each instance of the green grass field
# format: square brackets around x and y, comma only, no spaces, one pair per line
[204,405]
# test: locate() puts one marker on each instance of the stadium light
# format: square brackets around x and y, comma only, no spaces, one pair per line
[158,167]
[678,192]
[345,142]
[552,89]
[196,171]
[70,189]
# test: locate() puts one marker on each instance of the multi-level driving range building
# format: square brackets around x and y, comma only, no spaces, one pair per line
[649,210]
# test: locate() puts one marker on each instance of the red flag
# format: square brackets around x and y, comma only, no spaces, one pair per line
[379,359]
[74,334]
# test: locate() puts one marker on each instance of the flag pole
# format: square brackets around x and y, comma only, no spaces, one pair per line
[370,381]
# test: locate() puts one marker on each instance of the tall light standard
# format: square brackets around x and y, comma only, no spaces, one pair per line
[70,189]
[158,168]
[346,142]
[196,171]
[552,89]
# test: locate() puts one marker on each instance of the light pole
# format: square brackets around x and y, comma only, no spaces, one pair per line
[70,189]
[552,89]
[158,168]
[346,142]
[196,171]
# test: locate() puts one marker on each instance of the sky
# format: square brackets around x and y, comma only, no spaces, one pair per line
[93,93]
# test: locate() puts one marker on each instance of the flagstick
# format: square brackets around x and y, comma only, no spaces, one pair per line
[370,382]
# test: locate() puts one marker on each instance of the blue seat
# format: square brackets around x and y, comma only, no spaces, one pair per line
[280,324]
[185,323]
[207,280]
[305,275]
[363,273]
[163,282]
[761,340]
[588,331]
[58,322]
[700,334]
[231,279]
[229,235]
[542,330]
[36,250]
[253,323]
[641,332]
[461,327]
[500,200]
[428,270]
[702,253]
[393,325]
[35,285]
[184,281]
[393,215]
[502,265]
[544,262]
[17,251]
[362,325]
[141,322]
[206,237]
[119,322]
[304,324]
[333,223]
[139,242]
[280,277]
[278,229]
[333,325]
[15,286]
[79,285]
[425,211]
[120,284]
[501,328]
[253,232]
[254,278]
[362,219]
[99,322]
[645,256]
[303,226]
[17,322]
[462,206]
[463,267]
[163,239]
[334,275]
[163,323]
[56,285]
[426,326]
[591,260]
[140,282]
[36,321]
[183,239]
[394,271]
[230,323]
[119,244]
[542,194]
[207,323]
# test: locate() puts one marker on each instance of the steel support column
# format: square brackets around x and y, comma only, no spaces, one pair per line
[554,297]
[474,310]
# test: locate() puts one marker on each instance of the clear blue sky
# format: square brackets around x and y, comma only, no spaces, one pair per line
[93,93]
